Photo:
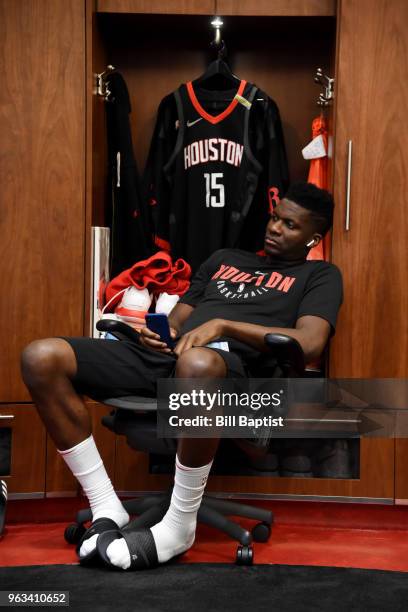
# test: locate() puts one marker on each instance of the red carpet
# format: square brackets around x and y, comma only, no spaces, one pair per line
[305,533]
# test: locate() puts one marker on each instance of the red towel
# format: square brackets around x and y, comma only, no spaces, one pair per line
[318,172]
[157,274]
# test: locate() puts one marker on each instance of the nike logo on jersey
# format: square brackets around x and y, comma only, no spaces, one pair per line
[190,123]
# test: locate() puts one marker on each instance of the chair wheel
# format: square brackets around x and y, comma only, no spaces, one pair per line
[245,555]
[73,533]
[261,532]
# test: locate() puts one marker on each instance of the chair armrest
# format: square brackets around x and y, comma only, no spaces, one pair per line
[288,353]
[118,329]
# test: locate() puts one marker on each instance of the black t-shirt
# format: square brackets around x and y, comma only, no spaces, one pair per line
[241,286]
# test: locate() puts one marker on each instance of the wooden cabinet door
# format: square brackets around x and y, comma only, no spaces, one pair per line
[42,175]
[371,101]
[371,105]
[22,450]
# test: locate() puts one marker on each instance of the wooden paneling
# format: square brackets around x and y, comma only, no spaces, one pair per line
[401,471]
[372,98]
[183,7]
[59,479]
[376,476]
[27,448]
[42,125]
[132,470]
[282,8]
[97,153]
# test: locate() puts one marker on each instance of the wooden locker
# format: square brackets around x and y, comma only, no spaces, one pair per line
[371,99]
[280,53]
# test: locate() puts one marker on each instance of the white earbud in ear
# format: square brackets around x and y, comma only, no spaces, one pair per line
[311,243]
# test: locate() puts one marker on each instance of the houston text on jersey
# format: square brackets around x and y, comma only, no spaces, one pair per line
[213,149]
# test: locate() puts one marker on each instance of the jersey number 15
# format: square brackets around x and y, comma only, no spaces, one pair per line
[214,190]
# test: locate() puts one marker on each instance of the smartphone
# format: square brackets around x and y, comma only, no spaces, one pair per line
[159,324]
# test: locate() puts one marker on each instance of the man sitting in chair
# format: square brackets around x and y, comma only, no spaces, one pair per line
[236,297]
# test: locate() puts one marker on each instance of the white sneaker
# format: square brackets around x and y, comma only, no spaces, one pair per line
[166,302]
[133,307]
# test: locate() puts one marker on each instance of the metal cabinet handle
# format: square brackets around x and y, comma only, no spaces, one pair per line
[348,196]
[6,416]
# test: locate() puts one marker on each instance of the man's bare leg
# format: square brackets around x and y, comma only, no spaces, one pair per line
[176,531]
[197,451]
[48,366]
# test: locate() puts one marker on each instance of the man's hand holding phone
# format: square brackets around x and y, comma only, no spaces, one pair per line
[157,334]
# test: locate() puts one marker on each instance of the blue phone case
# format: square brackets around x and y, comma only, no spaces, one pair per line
[159,324]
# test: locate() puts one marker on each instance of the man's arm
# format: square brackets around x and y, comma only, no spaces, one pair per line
[311,332]
[179,316]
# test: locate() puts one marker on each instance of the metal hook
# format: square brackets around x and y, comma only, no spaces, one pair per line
[101,86]
[322,101]
[218,43]
[328,85]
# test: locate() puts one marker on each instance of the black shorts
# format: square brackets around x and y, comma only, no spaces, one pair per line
[113,368]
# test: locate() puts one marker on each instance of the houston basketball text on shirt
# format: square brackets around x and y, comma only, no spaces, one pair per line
[259,283]
[213,149]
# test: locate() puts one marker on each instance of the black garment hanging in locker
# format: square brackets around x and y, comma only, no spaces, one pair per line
[130,238]
[216,163]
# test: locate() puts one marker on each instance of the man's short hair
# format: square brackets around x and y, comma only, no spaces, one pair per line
[318,201]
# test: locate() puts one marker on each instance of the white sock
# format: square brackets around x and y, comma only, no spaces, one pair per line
[86,464]
[176,531]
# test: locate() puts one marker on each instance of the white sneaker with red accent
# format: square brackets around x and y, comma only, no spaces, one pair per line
[166,302]
[133,307]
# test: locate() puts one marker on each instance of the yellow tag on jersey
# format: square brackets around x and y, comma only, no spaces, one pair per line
[243,101]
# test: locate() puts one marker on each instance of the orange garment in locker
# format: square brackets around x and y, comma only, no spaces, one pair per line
[318,175]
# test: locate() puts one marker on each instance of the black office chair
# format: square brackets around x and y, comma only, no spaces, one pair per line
[135,417]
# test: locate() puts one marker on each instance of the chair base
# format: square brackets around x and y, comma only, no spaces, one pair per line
[213,512]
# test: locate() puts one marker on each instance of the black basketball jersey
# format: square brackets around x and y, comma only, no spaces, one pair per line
[127,216]
[210,170]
